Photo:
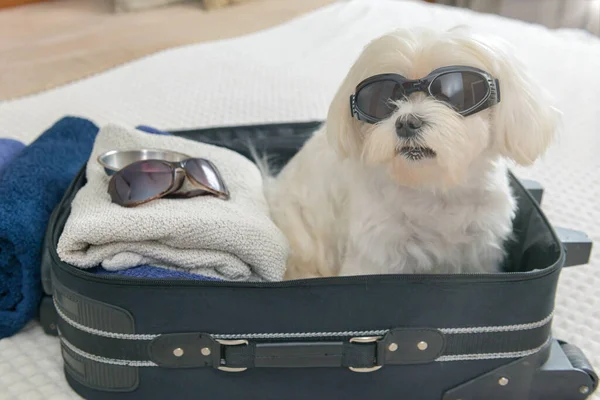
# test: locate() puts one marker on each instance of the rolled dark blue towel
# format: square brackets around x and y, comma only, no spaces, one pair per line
[30,187]
[9,149]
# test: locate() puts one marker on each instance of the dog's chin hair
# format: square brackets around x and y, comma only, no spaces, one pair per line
[446,170]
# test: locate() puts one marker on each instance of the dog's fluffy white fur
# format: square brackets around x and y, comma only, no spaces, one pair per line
[351,204]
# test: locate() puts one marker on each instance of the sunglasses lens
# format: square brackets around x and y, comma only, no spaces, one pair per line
[374,99]
[462,90]
[205,173]
[141,181]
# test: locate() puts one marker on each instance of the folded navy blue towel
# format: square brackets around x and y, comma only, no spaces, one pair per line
[150,272]
[30,187]
[9,149]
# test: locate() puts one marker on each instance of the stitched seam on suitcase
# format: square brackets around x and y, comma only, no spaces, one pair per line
[505,328]
[128,336]
[105,360]
[293,335]
[447,331]
[491,356]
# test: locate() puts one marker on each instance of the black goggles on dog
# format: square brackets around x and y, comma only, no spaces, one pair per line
[467,90]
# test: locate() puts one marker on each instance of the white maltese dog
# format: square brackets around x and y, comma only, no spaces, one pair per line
[408,173]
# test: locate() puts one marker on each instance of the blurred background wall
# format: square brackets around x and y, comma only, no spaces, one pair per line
[46,43]
[580,14]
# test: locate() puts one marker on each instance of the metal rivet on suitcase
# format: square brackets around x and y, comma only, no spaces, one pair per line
[205,351]
[178,352]
[503,381]
[584,390]
[422,346]
[365,339]
[393,347]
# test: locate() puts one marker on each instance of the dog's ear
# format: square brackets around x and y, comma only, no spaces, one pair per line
[345,133]
[525,122]
[342,129]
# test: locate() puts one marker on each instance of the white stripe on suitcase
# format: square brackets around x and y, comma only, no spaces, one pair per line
[104,360]
[461,357]
[491,356]
[300,335]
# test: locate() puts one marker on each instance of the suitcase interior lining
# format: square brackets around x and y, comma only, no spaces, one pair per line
[533,246]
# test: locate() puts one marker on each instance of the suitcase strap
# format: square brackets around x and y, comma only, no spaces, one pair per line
[399,346]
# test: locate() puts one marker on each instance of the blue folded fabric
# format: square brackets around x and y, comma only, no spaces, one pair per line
[151,272]
[9,149]
[30,187]
[150,129]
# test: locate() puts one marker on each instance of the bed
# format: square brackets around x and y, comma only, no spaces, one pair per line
[290,73]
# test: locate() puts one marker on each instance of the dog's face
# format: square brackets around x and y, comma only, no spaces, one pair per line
[424,142]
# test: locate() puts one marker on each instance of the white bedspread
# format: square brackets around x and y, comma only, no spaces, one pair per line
[289,73]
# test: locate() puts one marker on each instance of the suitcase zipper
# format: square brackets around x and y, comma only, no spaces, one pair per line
[468,277]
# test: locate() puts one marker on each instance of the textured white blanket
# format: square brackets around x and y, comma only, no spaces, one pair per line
[231,239]
[289,73]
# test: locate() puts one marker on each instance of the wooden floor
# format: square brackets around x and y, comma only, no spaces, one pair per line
[47,44]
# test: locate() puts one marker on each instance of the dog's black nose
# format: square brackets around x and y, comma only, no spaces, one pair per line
[408,126]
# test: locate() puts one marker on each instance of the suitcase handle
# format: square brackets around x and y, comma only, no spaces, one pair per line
[82,327]
[534,188]
[82,324]
[577,245]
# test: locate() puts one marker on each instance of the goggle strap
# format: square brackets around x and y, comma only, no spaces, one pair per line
[353,108]
[497,87]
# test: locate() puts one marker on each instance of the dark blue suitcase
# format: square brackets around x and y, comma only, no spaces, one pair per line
[450,337]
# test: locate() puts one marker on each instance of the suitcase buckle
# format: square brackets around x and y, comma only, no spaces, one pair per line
[234,342]
[365,339]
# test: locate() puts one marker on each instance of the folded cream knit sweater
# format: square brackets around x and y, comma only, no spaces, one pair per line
[231,240]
